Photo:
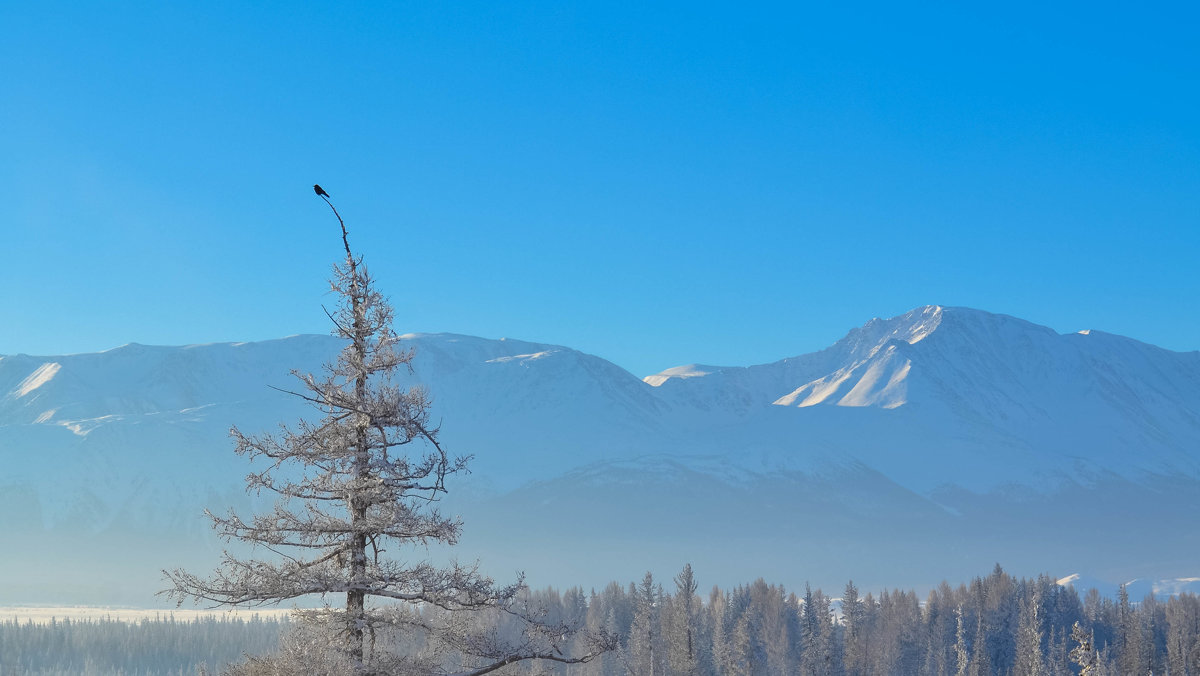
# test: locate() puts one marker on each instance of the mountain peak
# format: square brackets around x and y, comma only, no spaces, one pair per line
[954,354]
[910,327]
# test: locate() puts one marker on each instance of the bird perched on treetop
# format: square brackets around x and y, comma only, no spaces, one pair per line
[320,191]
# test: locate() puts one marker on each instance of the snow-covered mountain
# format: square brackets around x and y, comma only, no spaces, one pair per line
[1007,401]
[923,446]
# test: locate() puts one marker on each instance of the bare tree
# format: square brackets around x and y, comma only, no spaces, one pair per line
[366,477]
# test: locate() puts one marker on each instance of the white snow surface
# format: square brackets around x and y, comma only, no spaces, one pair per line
[39,377]
[689,371]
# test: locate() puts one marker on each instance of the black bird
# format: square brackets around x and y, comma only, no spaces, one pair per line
[320,191]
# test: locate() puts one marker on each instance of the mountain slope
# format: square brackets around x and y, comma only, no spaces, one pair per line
[949,437]
[1066,407]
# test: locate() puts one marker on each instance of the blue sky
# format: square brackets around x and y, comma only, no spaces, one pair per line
[695,182]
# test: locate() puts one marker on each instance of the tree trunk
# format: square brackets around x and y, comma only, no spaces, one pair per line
[356,596]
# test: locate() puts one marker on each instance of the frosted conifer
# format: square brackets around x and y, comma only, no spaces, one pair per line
[361,482]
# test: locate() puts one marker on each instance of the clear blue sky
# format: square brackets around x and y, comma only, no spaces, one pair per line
[713,183]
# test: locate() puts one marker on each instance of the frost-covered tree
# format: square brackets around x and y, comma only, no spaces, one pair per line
[1183,635]
[1029,660]
[1130,642]
[644,633]
[854,631]
[1084,652]
[722,619]
[961,655]
[684,642]
[361,483]
[817,627]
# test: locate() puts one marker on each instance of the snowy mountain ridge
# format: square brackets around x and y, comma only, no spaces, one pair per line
[914,427]
[1076,403]
[1072,405]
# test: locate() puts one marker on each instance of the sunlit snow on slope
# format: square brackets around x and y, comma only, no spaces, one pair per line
[39,377]
[522,358]
[688,371]
[879,382]
[1071,580]
[83,427]
[819,390]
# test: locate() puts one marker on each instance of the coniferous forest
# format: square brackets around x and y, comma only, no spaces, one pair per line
[111,646]
[998,624]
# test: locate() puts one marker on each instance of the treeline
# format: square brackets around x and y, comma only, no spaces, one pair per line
[157,647]
[995,625]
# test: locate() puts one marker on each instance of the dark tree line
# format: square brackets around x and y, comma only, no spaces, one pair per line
[147,648]
[994,625]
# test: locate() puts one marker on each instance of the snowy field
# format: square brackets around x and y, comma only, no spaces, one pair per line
[43,615]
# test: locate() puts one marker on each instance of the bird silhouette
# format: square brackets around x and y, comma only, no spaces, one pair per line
[320,191]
